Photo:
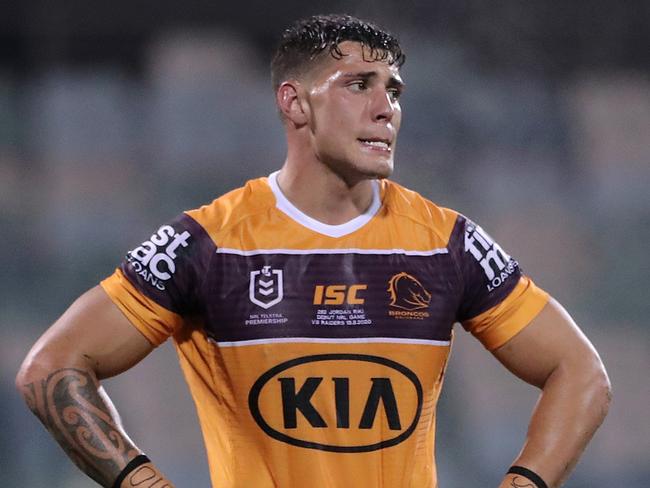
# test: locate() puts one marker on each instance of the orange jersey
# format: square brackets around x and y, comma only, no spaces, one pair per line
[315,353]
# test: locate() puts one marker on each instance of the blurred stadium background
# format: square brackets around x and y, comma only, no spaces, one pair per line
[533,118]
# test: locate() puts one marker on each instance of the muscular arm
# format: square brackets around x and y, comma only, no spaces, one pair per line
[554,355]
[59,380]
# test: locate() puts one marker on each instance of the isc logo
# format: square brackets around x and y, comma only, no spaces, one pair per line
[362,404]
[338,294]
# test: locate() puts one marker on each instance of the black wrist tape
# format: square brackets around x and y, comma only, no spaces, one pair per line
[531,475]
[134,463]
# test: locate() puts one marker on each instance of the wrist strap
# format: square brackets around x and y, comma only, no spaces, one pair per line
[134,463]
[531,475]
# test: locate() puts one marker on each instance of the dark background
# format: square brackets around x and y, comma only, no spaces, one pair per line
[533,118]
[544,37]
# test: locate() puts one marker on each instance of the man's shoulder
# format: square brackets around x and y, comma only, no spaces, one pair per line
[414,206]
[226,211]
[402,197]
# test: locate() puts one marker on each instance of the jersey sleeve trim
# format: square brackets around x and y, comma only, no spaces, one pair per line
[156,323]
[499,324]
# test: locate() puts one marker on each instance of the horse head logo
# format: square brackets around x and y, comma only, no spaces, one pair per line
[407,293]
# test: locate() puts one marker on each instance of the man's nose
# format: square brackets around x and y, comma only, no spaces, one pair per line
[383,107]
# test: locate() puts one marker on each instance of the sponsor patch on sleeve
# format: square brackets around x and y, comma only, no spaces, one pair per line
[497,265]
[154,261]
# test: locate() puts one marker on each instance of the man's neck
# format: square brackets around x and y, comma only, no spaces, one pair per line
[323,195]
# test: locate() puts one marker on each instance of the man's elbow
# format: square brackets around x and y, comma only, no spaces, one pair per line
[584,378]
[27,381]
[602,388]
[596,386]
[39,363]
[33,369]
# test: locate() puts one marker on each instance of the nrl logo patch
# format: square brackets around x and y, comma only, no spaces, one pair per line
[265,288]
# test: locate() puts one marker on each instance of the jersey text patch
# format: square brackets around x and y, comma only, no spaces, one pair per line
[154,260]
[496,264]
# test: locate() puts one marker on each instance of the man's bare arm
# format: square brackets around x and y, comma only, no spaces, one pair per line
[554,355]
[59,380]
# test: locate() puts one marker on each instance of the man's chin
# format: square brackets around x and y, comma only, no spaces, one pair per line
[382,170]
[362,169]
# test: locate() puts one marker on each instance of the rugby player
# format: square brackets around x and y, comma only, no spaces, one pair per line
[312,310]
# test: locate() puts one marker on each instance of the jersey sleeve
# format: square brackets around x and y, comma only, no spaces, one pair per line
[159,283]
[496,299]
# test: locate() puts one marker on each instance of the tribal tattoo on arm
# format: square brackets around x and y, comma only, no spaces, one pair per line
[74,408]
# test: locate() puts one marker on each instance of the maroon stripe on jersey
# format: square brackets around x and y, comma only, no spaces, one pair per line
[348,295]
[331,296]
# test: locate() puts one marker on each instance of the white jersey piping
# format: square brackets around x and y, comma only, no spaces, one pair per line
[327,340]
[255,252]
[284,205]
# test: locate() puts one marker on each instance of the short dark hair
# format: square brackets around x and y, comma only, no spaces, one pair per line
[305,40]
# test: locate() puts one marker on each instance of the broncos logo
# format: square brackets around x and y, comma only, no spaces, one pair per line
[407,293]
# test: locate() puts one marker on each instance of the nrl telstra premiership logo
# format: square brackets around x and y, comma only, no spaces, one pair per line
[265,288]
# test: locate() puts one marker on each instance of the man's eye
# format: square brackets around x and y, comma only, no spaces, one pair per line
[358,85]
[394,94]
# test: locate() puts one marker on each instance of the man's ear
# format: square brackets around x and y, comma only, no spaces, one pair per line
[289,98]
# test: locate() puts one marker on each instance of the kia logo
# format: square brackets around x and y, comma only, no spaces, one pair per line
[363,403]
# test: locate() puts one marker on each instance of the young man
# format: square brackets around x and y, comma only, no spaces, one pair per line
[312,310]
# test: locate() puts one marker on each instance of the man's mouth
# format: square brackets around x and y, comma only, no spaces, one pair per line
[376,143]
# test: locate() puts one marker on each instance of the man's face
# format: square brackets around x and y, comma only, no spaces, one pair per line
[354,113]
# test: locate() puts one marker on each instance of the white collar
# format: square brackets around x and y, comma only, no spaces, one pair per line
[284,205]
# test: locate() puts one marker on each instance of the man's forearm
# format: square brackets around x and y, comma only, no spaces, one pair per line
[570,410]
[80,416]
